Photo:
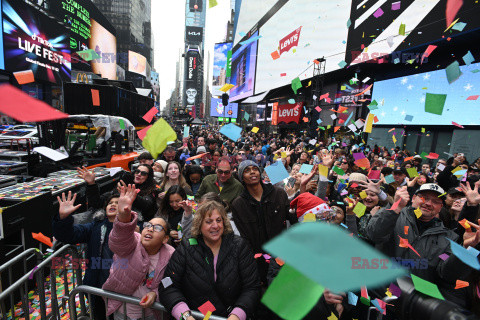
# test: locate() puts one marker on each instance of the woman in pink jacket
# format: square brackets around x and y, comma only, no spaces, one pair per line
[147,253]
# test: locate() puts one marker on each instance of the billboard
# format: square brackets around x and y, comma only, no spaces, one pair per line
[251,11]
[289,112]
[137,63]
[195,5]
[191,86]
[402,100]
[33,41]
[155,82]
[423,21]
[220,67]
[194,35]
[298,33]
[84,19]
[104,43]
[243,70]
[218,110]
[349,94]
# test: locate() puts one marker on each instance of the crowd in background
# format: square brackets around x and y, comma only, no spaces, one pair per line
[190,229]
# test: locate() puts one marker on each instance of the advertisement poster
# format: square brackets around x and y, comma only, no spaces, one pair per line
[218,110]
[33,41]
[194,35]
[105,44]
[137,63]
[191,78]
[220,58]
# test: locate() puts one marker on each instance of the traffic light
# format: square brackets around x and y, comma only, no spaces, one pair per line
[225,99]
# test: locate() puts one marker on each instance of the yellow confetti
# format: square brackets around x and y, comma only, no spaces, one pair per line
[394,139]
[309,217]
[363,194]
[255,129]
[418,212]
[332,317]
[453,23]
[323,170]
[207,316]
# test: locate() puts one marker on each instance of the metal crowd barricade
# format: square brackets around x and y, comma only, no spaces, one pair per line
[89,291]
[39,272]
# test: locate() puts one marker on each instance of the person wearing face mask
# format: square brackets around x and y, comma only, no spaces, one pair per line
[95,235]
[159,167]
[177,211]
[214,265]
[146,256]
[173,177]
[426,234]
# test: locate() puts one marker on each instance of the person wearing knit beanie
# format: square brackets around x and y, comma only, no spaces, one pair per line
[307,203]
[243,165]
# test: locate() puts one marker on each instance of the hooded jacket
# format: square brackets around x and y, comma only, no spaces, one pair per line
[192,273]
[386,227]
[125,244]
[95,235]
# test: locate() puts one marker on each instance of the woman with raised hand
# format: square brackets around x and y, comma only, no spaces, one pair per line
[145,258]
[214,265]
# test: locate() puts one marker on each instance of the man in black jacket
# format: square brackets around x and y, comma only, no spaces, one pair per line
[260,212]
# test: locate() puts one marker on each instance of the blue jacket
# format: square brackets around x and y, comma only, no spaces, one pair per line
[98,265]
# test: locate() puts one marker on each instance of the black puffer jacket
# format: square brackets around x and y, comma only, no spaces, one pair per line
[192,274]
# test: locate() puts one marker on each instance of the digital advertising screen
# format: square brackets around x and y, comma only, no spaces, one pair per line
[137,63]
[220,67]
[251,11]
[402,100]
[298,33]
[377,26]
[243,70]
[218,110]
[83,19]
[104,43]
[194,35]
[2,58]
[349,94]
[33,41]
[192,92]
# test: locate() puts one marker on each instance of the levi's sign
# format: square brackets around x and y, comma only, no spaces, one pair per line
[290,112]
[290,41]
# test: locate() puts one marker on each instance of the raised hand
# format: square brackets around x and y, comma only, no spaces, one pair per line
[328,159]
[472,238]
[306,178]
[473,197]
[121,184]
[371,186]
[127,197]
[67,206]
[87,175]
[411,183]
[186,206]
[402,194]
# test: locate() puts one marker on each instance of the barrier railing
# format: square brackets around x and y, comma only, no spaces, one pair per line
[89,291]
[38,272]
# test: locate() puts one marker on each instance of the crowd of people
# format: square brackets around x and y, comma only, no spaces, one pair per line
[190,225]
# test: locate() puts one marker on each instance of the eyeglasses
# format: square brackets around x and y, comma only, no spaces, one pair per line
[156,227]
[241,153]
[434,201]
[227,172]
[142,173]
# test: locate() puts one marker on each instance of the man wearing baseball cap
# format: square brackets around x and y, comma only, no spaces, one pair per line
[406,230]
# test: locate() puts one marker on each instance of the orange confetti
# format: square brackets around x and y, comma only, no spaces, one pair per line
[404,244]
[42,238]
[279,261]
[407,159]
[275,55]
[405,229]
[461,284]
[336,129]
[464,223]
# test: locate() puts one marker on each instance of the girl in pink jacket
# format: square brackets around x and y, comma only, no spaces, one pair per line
[147,253]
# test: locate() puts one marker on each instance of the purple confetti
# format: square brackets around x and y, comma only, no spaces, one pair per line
[267,257]
[31,274]
[396,6]
[396,291]
[444,256]
[378,13]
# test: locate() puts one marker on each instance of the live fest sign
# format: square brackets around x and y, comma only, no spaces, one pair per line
[289,112]
[290,41]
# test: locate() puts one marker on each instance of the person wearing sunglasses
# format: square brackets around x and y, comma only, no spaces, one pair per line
[145,204]
[147,255]
[222,183]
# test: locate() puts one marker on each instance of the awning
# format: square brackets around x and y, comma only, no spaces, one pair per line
[257,98]
[143,92]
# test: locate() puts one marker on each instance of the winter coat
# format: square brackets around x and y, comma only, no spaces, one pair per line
[429,245]
[95,235]
[261,221]
[126,245]
[192,273]
[231,189]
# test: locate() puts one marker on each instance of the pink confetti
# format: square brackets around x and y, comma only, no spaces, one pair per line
[378,13]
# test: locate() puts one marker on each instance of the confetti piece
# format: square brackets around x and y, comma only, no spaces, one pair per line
[461,284]
[444,256]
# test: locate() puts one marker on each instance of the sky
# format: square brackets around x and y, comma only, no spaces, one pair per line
[168,27]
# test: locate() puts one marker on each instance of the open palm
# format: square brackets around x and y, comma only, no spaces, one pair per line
[67,206]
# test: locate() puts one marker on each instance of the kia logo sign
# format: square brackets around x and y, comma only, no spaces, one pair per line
[194,35]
